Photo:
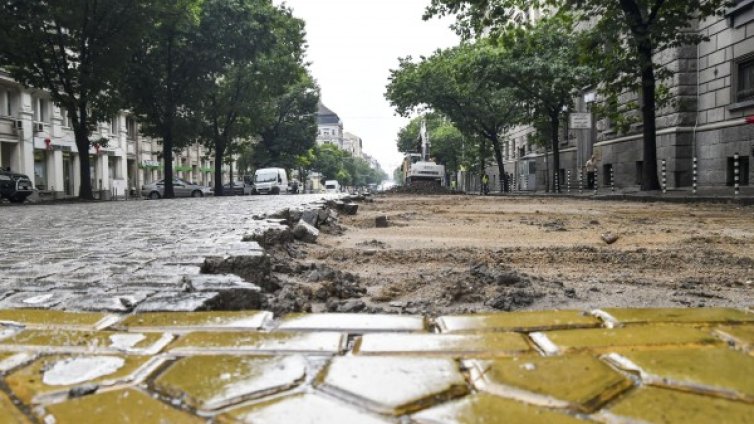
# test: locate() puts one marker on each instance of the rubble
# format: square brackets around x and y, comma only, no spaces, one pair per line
[305,232]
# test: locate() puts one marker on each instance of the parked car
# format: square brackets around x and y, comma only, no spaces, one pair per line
[236,190]
[270,181]
[15,187]
[182,188]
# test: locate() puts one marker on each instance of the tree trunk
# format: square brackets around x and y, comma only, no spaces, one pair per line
[167,158]
[82,144]
[555,128]
[219,154]
[500,163]
[482,151]
[649,179]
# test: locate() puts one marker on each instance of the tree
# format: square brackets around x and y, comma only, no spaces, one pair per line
[173,66]
[261,52]
[76,51]
[543,66]
[630,33]
[289,124]
[445,82]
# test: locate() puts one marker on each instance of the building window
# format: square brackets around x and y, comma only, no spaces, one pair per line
[114,125]
[745,80]
[41,110]
[8,99]
[131,128]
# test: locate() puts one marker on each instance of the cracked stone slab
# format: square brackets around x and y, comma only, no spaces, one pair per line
[720,372]
[489,409]
[629,316]
[68,341]
[517,321]
[316,408]
[352,323]
[577,383]
[46,319]
[107,302]
[606,340]
[207,343]
[393,385]
[653,405]
[51,377]
[208,383]
[132,404]
[178,302]
[741,336]
[38,300]
[476,345]
[181,322]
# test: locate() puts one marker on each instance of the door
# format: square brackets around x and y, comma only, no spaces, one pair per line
[528,175]
[180,189]
[67,175]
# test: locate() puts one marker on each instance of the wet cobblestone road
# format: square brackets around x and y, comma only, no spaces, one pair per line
[609,366]
[119,256]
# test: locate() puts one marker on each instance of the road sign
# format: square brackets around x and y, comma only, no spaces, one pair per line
[581,121]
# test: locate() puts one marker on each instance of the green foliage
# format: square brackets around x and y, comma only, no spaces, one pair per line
[76,51]
[336,164]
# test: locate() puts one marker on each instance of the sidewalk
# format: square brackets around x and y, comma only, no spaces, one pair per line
[650,365]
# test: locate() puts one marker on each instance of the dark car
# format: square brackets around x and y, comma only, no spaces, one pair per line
[15,187]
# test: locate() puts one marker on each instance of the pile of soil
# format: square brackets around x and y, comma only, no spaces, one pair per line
[461,254]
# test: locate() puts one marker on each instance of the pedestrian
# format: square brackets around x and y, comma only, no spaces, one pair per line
[453,185]
[485,184]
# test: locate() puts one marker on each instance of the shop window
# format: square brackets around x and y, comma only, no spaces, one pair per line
[40,170]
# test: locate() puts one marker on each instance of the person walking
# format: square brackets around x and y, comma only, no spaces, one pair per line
[485,184]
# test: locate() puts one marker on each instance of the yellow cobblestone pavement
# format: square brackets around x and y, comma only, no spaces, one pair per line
[607,366]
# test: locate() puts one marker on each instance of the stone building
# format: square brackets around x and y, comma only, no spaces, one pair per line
[712,90]
[330,127]
[36,139]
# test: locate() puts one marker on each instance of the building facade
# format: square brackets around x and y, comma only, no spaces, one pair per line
[36,139]
[706,123]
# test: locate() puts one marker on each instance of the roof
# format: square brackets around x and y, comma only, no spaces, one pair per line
[325,116]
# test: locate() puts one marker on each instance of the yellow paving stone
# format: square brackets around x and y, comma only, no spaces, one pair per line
[741,336]
[67,341]
[489,409]
[517,321]
[352,323]
[128,406]
[579,383]
[50,377]
[9,414]
[675,315]
[41,318]
[723,372]
[202,342]
[211,382]
[652,405]
[393,385]
[302,408]
[478,345]
[605,340]
[195,321]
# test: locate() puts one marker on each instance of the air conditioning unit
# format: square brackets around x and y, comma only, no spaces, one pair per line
[39,127]
[19,125]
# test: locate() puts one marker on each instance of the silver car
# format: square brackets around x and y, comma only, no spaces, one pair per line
[182,188]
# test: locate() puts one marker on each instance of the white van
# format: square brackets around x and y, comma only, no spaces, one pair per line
[332,186]
[270,181]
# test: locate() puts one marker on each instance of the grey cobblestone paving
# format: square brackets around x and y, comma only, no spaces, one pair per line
[119,256]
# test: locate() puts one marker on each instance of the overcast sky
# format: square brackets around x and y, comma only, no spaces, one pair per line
[353,44]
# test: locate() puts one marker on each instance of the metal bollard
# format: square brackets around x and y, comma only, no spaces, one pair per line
[581,181]
[568,181]
[526,182]
[664,176]
[695,170]
[736,173]
[557,183]
[612,179]
[596,180]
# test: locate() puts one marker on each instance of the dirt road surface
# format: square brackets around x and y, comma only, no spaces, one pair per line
[448,254]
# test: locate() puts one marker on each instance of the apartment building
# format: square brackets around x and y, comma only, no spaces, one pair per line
[707,123]
[36,139]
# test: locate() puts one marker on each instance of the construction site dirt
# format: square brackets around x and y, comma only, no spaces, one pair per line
[454,254]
